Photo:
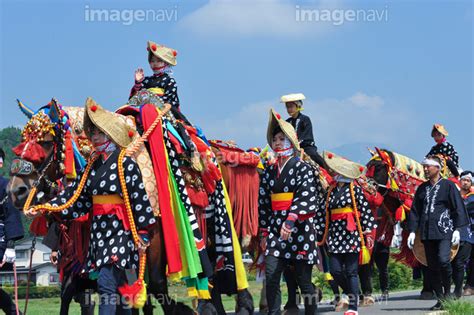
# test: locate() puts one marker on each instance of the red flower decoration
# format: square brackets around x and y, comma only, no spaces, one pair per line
[361,168]
[130,133]
[153,47]
[175,53]
[330,155]
[278,116]
[93,108]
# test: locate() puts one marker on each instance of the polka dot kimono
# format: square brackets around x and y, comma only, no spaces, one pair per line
[109,241]
[296,177]
[340,239]
[446,149]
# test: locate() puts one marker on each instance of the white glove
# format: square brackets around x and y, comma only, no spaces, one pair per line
[411,240]
[397,235]
[456,238]
[10,255]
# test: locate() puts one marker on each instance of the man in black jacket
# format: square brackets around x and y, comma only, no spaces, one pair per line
[439,214]
[302,125]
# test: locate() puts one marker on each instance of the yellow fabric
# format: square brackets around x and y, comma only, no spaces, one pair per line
[73,174]
[282,196]
[107,200]
[408,166]
[240,273]
[365,255]
[328,277]
[341,210]
[393,184]
[158,91]
[404,216]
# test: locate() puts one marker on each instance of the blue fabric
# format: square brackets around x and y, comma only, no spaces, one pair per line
[110,278]
[175,133]
[201,135]
[344,269]
[13,228]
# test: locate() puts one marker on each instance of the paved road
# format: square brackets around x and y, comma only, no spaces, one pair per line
[406,303]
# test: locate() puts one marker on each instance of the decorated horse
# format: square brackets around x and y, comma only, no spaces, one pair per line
[395,178]
[54,148]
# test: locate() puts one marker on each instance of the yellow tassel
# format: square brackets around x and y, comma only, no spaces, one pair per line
[393,184]
[328,277]
[364,257]
[140,299]
[404,216]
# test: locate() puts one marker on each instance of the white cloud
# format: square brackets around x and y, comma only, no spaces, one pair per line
[276,18]
[362,100]
[359,118]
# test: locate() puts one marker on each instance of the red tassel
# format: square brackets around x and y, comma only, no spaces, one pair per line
[33,152]
[131,292]
[406,255]
[198,198]
[39,226]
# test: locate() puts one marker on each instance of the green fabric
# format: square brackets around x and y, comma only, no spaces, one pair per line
[185,232]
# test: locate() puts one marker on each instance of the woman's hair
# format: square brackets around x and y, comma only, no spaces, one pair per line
[2,153]
[150,55]
[276,130]
[89,131]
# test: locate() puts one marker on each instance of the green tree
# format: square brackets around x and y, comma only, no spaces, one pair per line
[9,138]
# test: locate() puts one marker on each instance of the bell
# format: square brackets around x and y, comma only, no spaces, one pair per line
[62,168]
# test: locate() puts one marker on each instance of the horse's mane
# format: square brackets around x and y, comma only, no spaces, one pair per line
[406,164]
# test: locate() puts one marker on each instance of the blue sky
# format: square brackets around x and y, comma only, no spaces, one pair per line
[368,81]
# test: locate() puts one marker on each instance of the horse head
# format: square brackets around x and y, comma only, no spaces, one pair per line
[48,154]
[378,168]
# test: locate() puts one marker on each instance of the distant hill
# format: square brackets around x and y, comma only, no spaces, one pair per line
[9,138]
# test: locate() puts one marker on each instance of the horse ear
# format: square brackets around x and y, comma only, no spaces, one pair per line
[372,152]
[54,111]
[378,151]
[25,109]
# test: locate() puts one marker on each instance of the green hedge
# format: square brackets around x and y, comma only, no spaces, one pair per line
[35,292]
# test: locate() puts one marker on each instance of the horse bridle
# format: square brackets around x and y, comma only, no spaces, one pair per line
[21,167]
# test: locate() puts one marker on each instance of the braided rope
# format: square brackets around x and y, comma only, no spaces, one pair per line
[326,228]
[128,206]
[135,146]
[49,208]
[356,214]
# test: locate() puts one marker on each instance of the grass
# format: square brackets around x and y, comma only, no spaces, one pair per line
[177,291]
[459,307]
